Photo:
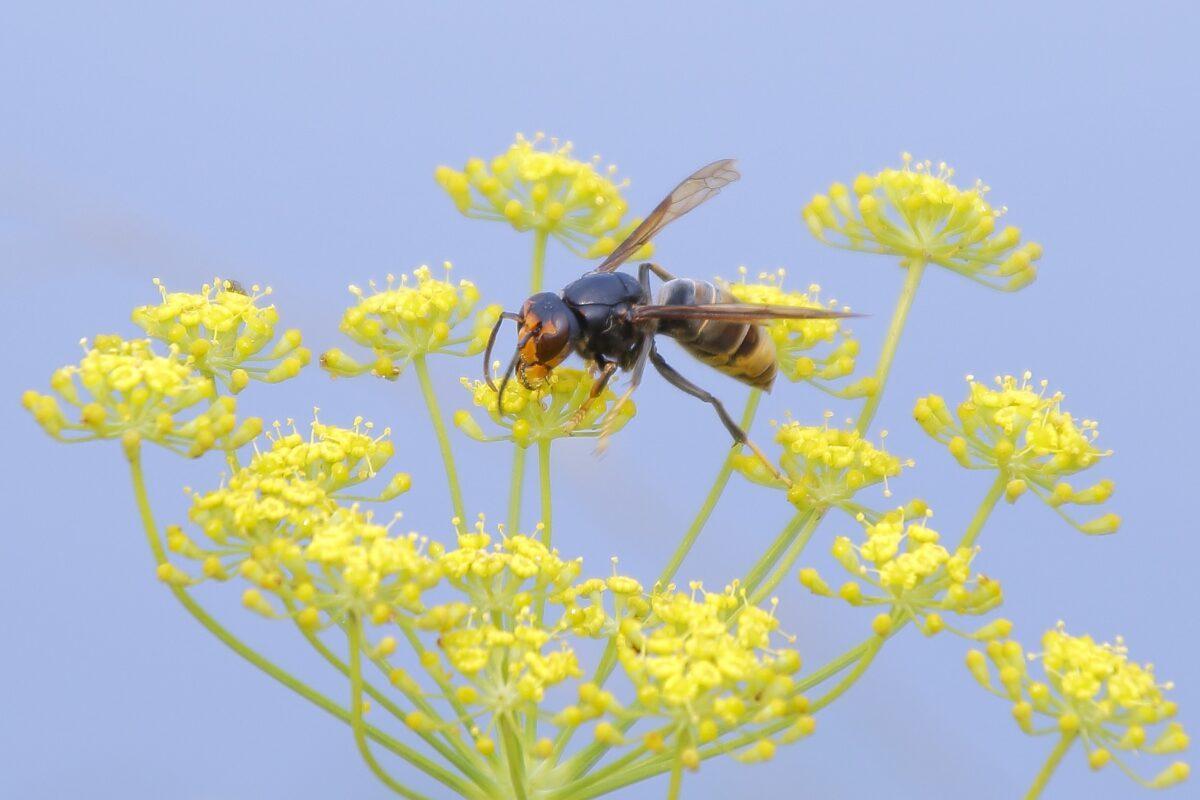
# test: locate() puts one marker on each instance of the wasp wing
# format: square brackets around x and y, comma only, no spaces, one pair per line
[695,189]
[735,312]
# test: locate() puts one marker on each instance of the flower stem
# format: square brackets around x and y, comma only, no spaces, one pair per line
[544,484]
[975,526]
[710,501]
[538,271]
[418,760]
[515,487]
[1056,756]
[912,279]
[514,754]
[439,428]
[803,524]
[864,661]
[356,715]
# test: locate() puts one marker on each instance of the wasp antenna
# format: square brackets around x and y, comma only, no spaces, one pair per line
[512,365]
[491,342]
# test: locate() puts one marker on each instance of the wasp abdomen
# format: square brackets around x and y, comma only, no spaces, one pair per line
[740,350]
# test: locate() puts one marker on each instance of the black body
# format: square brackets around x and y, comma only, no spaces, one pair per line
[603,305]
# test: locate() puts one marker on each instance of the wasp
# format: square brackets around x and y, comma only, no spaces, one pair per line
[608,318]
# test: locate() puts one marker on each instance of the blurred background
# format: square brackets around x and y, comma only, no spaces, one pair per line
[295,147]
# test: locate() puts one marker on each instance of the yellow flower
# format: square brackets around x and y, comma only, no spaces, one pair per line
[225,332]
[1091,690]
[918,214]
[547,190]
[123,390]
[703,660]
[826,466]
[1024,433]
[550,411]
[903,560]
[817,351]
[332,457]
[408,320]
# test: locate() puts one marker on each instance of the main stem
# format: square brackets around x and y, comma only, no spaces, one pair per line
[356,715]
[544,486]
[439,428]
[912,279]
[710,501]
[1047,771]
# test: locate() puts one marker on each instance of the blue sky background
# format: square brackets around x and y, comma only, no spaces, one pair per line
[295,147]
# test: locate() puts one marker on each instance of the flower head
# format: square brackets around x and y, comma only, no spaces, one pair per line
[123,390]
[917,213]
[407,320]
[225,332]
[331,456]
[706,659]
[1090,690]
[826,466]
[903,564]
[818,351]
[545,189]
[1024,433]
[552,410]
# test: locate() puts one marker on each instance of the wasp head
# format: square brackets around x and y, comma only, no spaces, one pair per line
[547,332]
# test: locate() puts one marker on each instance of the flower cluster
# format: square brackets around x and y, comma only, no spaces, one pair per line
[410,320]
[825,466]
[918,214]
[331,456]
[1090,691]
[702,662]
[123,390]
[817,351]
[909,569]
[547,190]
[552,410]
[1024,433]
[225,332]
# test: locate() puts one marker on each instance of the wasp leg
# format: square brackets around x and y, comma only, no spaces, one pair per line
[607,369]
[644,271]
[735,430]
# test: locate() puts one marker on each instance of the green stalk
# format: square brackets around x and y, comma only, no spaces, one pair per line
[768,559]
[356,716]
[1047,771]
[538,270]
[984,511]
[710,501]
[514,754]
[439,428]
[515,487]
[415,758]
[544,486]
[912,279]
[788,561]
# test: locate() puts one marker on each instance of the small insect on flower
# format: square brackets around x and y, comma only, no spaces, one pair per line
[539,185]
[1022,431]
[1090,692]
[411,319]
[124,390]
[825,466]
[225,332]
[915,212]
